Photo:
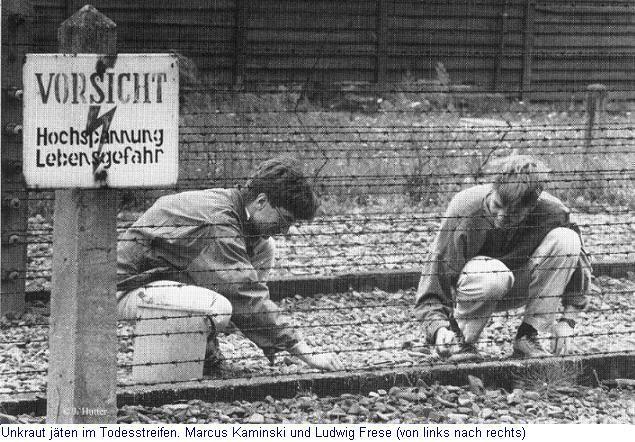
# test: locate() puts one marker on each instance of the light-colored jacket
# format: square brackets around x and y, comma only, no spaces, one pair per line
[467,231]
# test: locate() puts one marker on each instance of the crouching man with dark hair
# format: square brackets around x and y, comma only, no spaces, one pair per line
[210,251]
[502,246]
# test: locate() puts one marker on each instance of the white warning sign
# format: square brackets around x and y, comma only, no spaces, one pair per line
[93,120]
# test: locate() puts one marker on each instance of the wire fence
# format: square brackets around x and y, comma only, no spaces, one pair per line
[386,159]
[613,307]
[376,234]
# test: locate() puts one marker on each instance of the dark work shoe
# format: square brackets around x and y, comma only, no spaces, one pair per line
[528,346]
[466,353]
[213,357]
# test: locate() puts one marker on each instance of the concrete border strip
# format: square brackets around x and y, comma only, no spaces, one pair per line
[494,374]
[387,280]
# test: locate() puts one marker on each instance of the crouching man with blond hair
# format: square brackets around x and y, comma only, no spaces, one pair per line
[501,246]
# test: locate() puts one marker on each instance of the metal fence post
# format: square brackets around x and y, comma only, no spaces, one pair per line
[83,325]
[15,41]
[595,98]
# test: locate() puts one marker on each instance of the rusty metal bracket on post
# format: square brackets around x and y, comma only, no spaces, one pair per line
[14,93]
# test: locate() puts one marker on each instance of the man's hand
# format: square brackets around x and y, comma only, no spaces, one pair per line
[562,333]
[321,361]
[446,342]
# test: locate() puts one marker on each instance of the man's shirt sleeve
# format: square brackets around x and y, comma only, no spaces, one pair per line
[225,267]
[459,239]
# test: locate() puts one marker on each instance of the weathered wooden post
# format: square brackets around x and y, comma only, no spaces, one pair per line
[83,326]
[595,101]
[16,32]
[94,121]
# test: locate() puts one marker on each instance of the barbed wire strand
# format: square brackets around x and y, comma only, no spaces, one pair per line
[305,266]
[313,309]
[354,350]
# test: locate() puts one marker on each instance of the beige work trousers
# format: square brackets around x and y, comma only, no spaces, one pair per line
[183,298]
[486,285]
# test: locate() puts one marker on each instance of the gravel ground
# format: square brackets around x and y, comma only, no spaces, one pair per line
[369,329]
[362,242]
[420,404]
[446,404]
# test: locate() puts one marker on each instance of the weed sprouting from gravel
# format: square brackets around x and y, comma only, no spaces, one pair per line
[547,376]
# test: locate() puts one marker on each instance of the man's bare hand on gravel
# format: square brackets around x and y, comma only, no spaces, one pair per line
[446,342]
[321,361]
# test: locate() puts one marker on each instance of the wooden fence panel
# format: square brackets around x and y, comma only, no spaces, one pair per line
[283,40]
[580,43]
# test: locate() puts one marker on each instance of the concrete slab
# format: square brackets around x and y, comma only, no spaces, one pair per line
[495,374]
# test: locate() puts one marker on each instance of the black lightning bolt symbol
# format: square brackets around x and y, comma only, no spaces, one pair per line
[94,121]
